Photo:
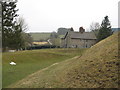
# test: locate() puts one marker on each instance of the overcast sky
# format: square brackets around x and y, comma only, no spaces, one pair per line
[49,15]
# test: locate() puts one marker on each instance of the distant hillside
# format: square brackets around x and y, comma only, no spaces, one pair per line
[115,29]
[96,68]
[40,36]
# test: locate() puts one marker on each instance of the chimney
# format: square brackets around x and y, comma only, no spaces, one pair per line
[71,29]
[81,30]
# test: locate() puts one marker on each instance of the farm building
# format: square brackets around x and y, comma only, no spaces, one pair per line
[79,39]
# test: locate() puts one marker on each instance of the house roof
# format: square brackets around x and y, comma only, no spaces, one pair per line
[84,35]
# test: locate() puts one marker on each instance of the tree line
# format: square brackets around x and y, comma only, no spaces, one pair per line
[13,28]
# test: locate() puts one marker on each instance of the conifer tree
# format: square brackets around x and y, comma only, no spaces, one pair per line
[105,29]
[9,26]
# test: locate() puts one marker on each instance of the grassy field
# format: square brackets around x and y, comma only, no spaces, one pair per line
[29,62]
[96,68]
[40,36]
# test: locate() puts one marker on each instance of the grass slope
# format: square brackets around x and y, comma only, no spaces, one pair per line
[29,62]
[96,68]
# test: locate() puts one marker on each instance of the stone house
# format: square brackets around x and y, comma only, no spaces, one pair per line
[79,39]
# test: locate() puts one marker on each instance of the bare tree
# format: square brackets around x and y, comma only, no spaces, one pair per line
[95,27]
[22,23]
[26,38]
